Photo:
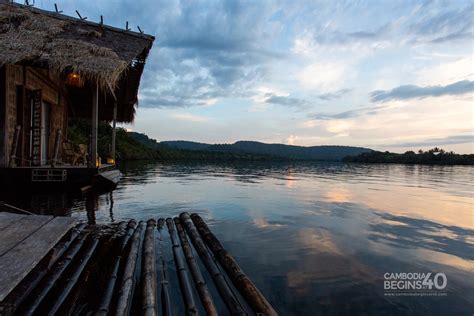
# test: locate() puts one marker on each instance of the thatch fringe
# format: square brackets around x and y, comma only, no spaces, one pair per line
[99,54]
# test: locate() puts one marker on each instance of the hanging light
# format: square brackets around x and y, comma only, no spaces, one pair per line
[74,79]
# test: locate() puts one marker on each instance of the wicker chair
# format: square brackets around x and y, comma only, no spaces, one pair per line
[74,154]
[81,152]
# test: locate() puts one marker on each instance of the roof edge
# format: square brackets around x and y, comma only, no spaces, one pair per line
[60,16]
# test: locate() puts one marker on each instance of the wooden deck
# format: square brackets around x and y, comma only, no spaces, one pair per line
[24,241]
[120,269]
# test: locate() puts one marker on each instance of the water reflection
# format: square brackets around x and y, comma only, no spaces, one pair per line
[405,232]
[56,203]
[315,238]
[92,205]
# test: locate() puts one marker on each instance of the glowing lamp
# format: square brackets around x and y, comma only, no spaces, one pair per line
[74,79]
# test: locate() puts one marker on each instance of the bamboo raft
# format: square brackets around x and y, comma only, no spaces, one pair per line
[124,270]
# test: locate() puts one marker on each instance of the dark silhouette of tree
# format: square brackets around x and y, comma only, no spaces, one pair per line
[433,156]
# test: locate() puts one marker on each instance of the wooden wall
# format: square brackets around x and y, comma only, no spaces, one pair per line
[52,90]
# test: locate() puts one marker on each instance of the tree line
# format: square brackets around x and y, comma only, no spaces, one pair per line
[135,146]
[434,156]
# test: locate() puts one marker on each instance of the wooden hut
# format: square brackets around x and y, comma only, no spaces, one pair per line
[55,67]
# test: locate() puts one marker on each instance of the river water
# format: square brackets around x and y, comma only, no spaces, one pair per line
[315,238]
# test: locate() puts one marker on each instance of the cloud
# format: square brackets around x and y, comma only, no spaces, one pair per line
[188,117]
[291,140]
[287,101]
[370,110]
[207,51]
[440,26]
[411,91]
[334,95]
[324,76]
[450,140]
[445,73]
[339,127]
[425,24]
[336,128]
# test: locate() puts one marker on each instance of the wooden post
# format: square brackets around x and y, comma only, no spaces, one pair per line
[95,125]
[57,144]
[16,138]
[114,132]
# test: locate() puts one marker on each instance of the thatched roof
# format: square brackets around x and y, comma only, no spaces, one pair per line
[112,58]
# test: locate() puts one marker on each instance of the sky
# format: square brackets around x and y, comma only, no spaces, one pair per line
[389,75]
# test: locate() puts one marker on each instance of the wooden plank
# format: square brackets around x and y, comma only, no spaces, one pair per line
[19,261]
[7,219]
[19,231]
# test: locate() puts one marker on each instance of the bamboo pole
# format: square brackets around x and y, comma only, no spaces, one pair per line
[240,280]
[74,278]
[165,293]
[127,288]
[149,301]
[224,290]
[39,293]
[109,289]
[182,271]
[132,224]
[27,285]
[199,282]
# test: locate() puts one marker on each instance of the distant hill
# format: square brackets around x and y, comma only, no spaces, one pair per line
[186,145]
[193,151]
[323,153]
[145,140]
[138,146]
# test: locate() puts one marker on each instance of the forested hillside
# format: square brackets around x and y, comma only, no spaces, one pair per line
[322,153]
